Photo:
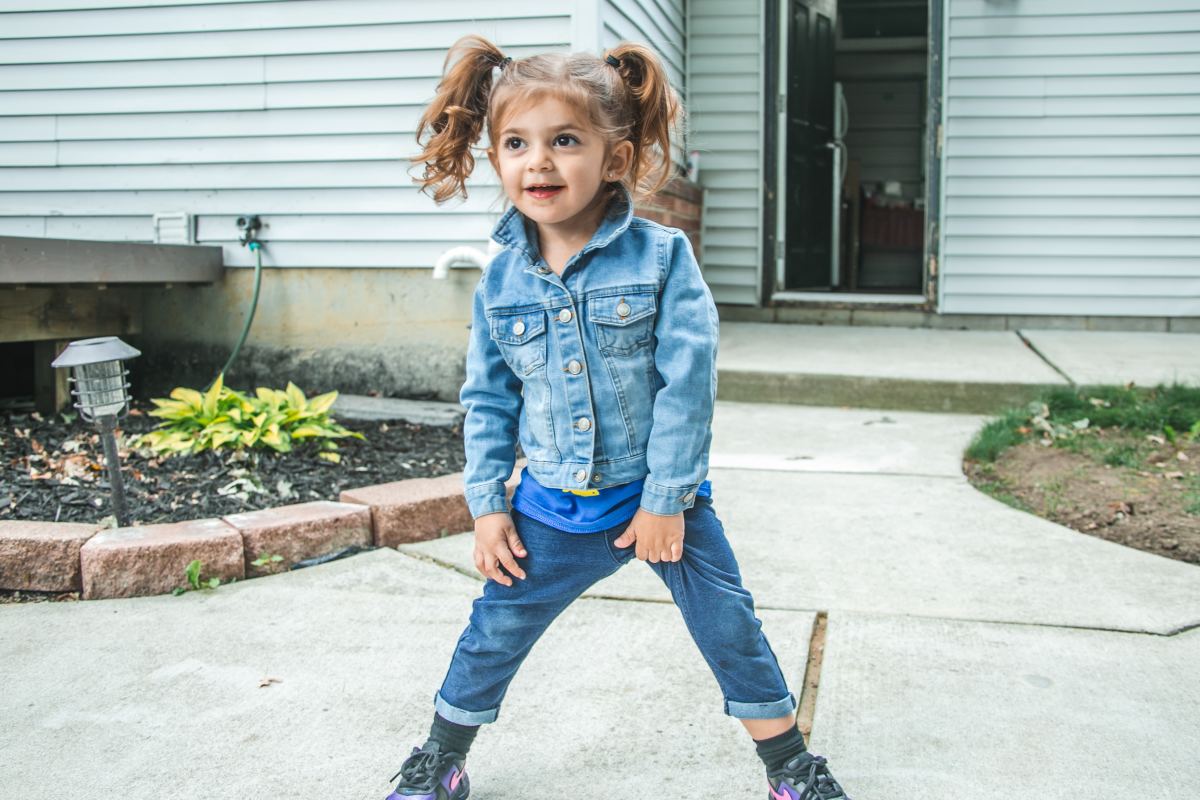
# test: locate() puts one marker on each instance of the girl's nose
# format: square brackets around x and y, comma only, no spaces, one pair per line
[539,159]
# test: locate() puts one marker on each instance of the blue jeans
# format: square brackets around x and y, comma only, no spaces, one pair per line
[705,584]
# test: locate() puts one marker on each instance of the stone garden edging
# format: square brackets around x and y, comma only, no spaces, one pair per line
[151,559]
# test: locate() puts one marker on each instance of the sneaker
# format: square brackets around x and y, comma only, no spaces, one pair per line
[429,774]
[805,777]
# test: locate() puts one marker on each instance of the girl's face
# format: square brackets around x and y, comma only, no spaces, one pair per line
[552,164]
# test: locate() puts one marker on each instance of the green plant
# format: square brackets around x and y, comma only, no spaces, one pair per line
[265,559]
[224,418]
[192,573]
[1066,417]
[1003,432]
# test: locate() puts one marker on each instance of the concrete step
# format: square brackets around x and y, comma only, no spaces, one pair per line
[921,369]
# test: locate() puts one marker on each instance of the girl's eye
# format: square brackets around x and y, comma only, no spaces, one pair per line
[565,139]
[512,143]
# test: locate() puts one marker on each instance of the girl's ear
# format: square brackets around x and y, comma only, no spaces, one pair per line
[620,159]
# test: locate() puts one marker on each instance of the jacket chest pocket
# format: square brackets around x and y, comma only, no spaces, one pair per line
[624,323]
[521,339]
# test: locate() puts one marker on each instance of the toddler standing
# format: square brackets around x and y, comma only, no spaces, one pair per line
[593,343]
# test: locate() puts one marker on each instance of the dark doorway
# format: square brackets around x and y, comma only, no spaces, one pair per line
[855,183]
[809,162]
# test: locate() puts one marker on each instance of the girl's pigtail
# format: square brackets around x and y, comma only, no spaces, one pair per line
[456,117]
[656,112]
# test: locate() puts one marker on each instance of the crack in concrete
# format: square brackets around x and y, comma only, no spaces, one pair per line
[1043,357]
[819,612]
[812,675]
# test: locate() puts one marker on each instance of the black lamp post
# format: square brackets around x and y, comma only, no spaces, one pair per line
[100,387]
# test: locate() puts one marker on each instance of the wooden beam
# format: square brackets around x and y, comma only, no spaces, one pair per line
[45,313]
[34,260]
[51,392]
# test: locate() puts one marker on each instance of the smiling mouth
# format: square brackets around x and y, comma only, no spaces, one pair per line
[542,190]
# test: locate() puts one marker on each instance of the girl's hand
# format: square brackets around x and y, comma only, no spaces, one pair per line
[658,537]
[496,541]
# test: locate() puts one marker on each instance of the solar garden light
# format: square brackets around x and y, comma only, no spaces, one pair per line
[99,379]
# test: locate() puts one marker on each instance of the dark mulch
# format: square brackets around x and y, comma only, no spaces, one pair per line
[53,470]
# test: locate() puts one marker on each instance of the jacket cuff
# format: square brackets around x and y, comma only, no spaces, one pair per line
[667,500]
[486,498]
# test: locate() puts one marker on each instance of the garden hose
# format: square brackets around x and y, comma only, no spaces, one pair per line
[256,248]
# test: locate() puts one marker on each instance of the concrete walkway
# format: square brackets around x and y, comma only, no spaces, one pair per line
[972,651]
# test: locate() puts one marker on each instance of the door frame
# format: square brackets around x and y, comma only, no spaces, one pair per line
[774,141]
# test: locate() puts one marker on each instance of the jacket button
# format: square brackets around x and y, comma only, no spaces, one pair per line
[596,478]
[518,327]
[583,424]
[581,475]
[574,367]
[564,315]
[543,270]
[689,497]
[623,309]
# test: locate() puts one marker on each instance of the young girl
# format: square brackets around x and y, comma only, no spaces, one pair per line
[593,343]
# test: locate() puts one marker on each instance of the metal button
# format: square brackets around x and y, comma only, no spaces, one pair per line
[689,497]
[564,315]
[518,327]
[543,270]
[623,309]
[574,367]
[583,424]
[596,478]
[581,475]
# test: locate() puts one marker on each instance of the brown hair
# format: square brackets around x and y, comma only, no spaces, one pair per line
[632,101]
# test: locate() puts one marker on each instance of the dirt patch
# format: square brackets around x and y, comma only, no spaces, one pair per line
[1129,488]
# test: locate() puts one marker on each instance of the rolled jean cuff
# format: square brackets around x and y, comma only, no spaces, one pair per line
[760,710]
[461,717]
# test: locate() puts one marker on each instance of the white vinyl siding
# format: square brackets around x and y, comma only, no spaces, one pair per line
[1072,158]
[725,80]
[301,112]
[658,24]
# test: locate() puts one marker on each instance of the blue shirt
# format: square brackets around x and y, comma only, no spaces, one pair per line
[575,513]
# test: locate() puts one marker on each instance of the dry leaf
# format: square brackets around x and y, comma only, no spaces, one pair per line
[268,681]
[1173,475]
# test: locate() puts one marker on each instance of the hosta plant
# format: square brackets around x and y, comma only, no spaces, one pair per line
[223,418]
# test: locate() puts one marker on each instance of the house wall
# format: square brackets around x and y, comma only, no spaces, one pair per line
[1072,158]
[725,80]
[300,112]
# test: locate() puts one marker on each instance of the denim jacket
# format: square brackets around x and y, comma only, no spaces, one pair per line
[605,374]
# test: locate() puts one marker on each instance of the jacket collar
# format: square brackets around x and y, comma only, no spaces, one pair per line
[510,229]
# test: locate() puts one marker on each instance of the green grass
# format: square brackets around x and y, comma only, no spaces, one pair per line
[1169,410]
[1136,409]
[997,435]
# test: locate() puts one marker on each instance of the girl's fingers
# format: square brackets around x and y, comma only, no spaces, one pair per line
[511,564]
[495,574]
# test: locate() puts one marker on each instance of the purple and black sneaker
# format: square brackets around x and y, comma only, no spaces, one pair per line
[430,774]
[805,777]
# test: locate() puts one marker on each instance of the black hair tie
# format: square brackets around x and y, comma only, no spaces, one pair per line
[613,60]
[504,62]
